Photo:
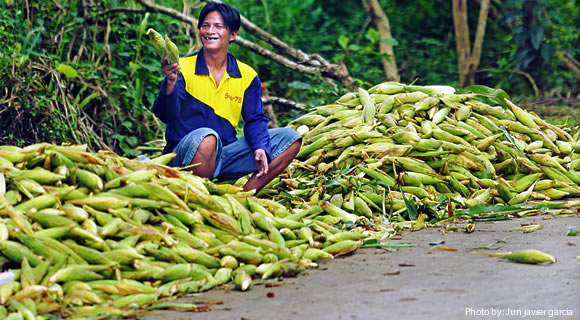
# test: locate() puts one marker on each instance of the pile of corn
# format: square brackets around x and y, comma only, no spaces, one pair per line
[96,234]
[375,152]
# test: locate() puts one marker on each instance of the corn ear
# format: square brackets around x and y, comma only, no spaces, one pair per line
[531,256]
[171,51]
[242,280]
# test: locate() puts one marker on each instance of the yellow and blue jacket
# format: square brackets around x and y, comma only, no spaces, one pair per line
[197,102]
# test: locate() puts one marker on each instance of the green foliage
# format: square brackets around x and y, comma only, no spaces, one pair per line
[538,33]
[71,73]
[93,82]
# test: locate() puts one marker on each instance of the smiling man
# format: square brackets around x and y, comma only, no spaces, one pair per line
[202,100]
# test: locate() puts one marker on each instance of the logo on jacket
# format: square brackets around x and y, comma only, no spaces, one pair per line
[234,98]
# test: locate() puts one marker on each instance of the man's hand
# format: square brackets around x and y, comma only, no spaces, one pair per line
[261,162]
[170,71]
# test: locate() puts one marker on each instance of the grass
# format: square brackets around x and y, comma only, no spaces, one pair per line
[567,115]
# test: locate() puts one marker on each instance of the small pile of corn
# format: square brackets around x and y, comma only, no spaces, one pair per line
[374,150]
[96,234]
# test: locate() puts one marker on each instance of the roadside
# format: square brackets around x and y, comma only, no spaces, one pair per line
[421,282]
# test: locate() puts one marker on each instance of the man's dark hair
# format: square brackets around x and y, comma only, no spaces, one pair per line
[231,16]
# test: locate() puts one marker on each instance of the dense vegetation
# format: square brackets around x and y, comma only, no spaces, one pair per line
[76,71]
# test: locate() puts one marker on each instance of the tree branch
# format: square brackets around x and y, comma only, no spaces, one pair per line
[571,63]
[278,44]
[334,71]
[152,7]
[121,10]
[284,102]
[274,56]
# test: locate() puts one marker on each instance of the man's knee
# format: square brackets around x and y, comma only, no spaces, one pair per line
[287,138]
[207,146]
[295,147]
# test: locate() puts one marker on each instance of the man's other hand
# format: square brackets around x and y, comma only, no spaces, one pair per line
[261,162]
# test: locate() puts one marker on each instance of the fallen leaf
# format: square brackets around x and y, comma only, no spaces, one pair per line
[408,299]
[209,302]
[420,224]
[445,248]
[529,228]
[451,228]
[469,228]
[406,265]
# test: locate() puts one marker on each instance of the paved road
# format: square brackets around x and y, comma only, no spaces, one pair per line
[421,282]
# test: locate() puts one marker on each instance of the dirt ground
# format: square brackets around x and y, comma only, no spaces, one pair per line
[420,282]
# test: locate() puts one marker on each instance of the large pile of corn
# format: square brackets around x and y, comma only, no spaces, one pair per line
[90,234]
[375,152]
[95,234]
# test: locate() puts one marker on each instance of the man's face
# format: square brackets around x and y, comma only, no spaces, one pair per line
[215,35]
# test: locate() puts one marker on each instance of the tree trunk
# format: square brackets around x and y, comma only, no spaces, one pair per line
[381,21]
[468,60]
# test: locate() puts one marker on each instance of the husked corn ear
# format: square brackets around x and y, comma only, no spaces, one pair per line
[362,208]
[77,273]
[222,276]
[17,252]
[242,280]
[463,112]
[100,203]
[387,88]
[315,254]
[426,103]
[309,119]
[229,262]
[363,96]
[38,174]
[89,179]
[530,256]
[176,271]
[522,115]
[157,41]
[139,299]
[343,247]
[279,268]
[171,51]
[369,112]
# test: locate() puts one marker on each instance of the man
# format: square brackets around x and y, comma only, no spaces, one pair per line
[201,100]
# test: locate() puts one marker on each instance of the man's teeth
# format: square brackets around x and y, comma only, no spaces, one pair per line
[211,38]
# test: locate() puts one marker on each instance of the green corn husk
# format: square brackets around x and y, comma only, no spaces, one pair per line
[157,42]
[530,256]
[171,51]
